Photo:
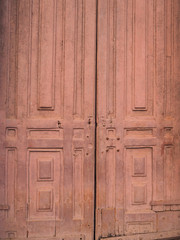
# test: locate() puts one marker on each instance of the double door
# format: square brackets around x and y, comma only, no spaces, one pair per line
[88,119]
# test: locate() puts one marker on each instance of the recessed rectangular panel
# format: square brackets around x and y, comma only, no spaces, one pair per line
[46,54]
[46,59]
[139,132]
[11,51]
[168,86]
[139,19]
[139,167]
[78,184]
[168,172]
[45,133]
[139,227]
[111,57]
[45,169]
[169,57]
[111,133]
[107,221]
[45,178]
[11,133]
[139,42]
[11,234]
[11,180]
[110,177]
[79,59]
[44,200]
[139,194]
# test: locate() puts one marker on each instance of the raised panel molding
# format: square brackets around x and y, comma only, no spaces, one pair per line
[140,58]
[11,180]
[111,58]
[139,55]
[45,133]
[139,184]
[78,205]
[46,54]
[11,133]
[44,200]
[168,172]
[139,167]
[12,59]
[139,227]
[139,194]
[79,58]
[46,59]
[45,184]
[169,58]
[110,177]
[45,169]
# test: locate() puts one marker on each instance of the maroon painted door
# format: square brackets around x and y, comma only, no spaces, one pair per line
[138,102]
[84,155]
[47,119]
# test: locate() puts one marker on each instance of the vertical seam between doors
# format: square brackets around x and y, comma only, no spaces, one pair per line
[95,129]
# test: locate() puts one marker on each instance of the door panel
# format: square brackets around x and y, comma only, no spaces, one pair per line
[47,119]
[137,153]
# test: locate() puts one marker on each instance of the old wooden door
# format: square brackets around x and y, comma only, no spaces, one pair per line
[138,119]
[47,118]
[58,120]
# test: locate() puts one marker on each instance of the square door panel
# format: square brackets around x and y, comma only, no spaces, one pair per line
[45,174]
[139,167]
[45,169]
[45,200]
[138,178]
[139,194]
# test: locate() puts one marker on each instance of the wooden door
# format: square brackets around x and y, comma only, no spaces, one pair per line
[47,118]
[137,119]
[52,107]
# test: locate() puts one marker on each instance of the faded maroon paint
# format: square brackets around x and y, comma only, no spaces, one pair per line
[138,158]
[47,119]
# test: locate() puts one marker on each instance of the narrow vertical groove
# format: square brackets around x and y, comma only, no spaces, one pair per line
[12,83]
[125,60]
[45,101]
[154,60]
[133,53]
[16,58]
[95,128]
[114,53]
[165,58]
[168,57]
[108,59]
[111,58]
[79,58]
[75,56]
[54,51]
[155,56]
[139,78]
[125,102]
[8,44]
[78,162]
[146,55]
[82,57]
[110,177]
[39,48]
[11,181]
[29,57]
[63,56]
